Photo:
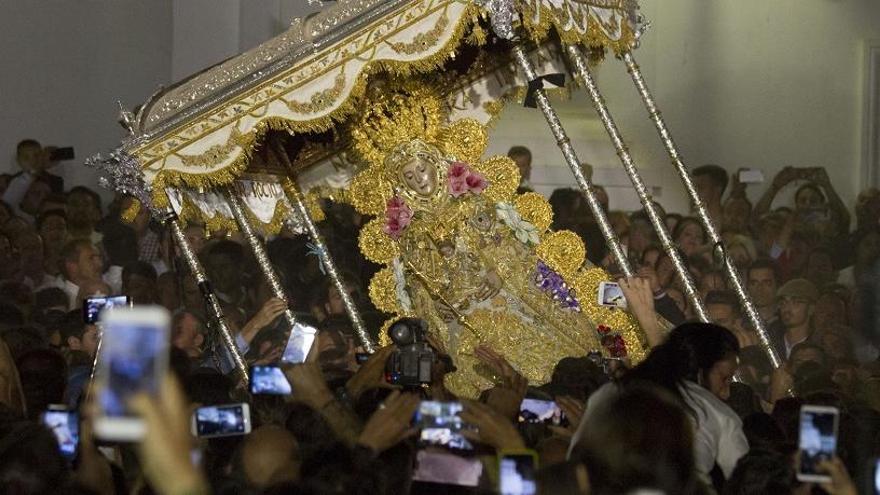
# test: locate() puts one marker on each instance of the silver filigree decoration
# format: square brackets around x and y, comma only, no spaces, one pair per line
[502,14]
[121,172]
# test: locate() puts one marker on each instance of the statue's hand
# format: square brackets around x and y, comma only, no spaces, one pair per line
[490,286]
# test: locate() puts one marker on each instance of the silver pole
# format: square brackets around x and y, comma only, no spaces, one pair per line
[195,267]
[244,225]
[672,149]
[573,162]
[582,71]
[296,198]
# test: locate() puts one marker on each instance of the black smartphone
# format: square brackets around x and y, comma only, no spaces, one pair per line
[93,306]
[441,425]
[269,380]
[62,154]
[64,424]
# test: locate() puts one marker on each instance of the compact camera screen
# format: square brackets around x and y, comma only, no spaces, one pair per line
[215,421]
[611,295]
[517,475]
[441,425]
[541,411]
[818,440]
[269,380]
[93,306]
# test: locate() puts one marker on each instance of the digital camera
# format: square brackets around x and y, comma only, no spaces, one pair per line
[411,363]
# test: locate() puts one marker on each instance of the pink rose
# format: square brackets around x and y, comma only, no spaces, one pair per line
[457,187]
[458,170]
[394,204]
[393,228]
[476,182]
[398,216]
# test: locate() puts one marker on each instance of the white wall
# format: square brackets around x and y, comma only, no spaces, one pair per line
[64,64]
[741,83]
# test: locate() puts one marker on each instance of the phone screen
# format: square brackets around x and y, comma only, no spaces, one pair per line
[65,426]
[541,411]
[610,294]
[130,357]
[441,425]
[818,440]
[446,468]
[93,306]
[875,477]
[269,380]
[517,475]
[220,421]
[299,343]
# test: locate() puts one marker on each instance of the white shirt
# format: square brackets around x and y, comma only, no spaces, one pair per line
[718,433]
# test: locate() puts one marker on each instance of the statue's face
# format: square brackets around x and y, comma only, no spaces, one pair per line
[420,176]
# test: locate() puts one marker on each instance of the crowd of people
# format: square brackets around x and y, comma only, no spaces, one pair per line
[678,422]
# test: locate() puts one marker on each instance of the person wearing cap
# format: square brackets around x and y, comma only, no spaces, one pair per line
[796,300]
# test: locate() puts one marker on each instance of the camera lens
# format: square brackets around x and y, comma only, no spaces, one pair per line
[401,333]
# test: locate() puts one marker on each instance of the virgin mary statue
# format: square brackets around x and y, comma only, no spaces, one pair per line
[467,254]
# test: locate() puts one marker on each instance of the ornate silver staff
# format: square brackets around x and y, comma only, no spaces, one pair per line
[244,225]
[122,173]
[582,72]
[296,198]
[672,149]
[574,163]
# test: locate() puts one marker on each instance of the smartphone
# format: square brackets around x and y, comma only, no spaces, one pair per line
[92,306]
[222,421]
[541,411]
[62,154]
[818,441]
[751,176]
[611,295]
[133,359]
[447,468]
[516,473]
[64,423]
[441,425]
[269,380]
[299,343]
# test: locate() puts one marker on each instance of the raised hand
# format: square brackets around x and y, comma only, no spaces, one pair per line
[491,427]
[165,449]
[371,374]
[640,302]
[574,411]
[391,423]
[507,396]
[841,483]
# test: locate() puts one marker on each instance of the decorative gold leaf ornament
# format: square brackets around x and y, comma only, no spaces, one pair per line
[534,209]
[563,251]
[375,244]
[383,291]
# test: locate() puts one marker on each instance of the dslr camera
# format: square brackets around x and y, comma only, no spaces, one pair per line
[411,363]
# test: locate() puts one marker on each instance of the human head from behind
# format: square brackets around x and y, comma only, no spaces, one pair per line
[710,181]
[269,455]
[641,440]
[38,192]
[30,460]
[741,249]
[712,280]
[737,212]
[81,262]
[43,374]
[702,353]
[522,156]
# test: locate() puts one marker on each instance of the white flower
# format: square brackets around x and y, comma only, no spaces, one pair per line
[400,286]
[525,232]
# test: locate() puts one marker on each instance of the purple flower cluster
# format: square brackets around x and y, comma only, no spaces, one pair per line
[552,283]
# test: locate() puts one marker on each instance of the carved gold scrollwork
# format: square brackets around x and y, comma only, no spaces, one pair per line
[424,41]
[320,101]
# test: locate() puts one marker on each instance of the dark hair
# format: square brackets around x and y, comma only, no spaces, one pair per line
[50,297]
[690,351]
[141,268]
[519,151]
[55,212]
[72,326]
[10,315]
[24,143]
[761,471]
[679,227]
[723,297]
[96,198]
[120,242]
[810,185]
[43,379]
[717,174]
[228,248]
[764,264]
[644,439]
[30,461]
[809,346]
